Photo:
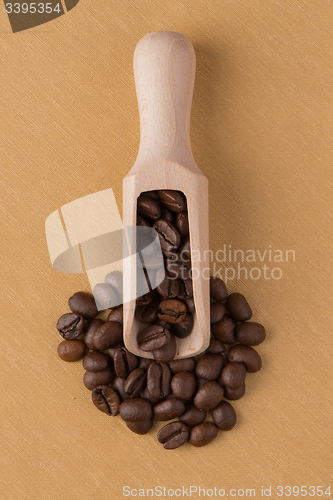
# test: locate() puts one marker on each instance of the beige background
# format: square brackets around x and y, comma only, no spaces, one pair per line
[262,123]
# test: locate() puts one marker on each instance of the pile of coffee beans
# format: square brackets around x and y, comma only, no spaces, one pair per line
[142,390]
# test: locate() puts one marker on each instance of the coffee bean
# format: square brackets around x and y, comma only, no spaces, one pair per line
[116,315]
[172,200]
[96,361]
[238,307]
[234,394]
[135,382]
[233,375]
[106,399]
[146,299]
[166,353]
[105,296]
[250,333]
[182,365]
[108,335]
[192,416]
[136,410]
[168,235]
[172,310]
[210,366]
[203,434]
[209,396]
[140,221]
[185,289]
[110,351]
[153,337]
[183,385]
[146,395]
[216,346]
[84,304]
[203,381]
[218,290]
[89,333]
[148,208]
[167,215]
[224,416]
[190,305]
[151,194]
[177,268]
[140,427]
[124,362]
[115,280]
[169,288]
[147,314]
[70,326]
[173,435]
[71,350]
[158,380]
[118,385]
[184,328]
[217,311]
[168,409]
[185,249]
[245,354]
[144,363]
[181,224]
[224,330]
[94,379]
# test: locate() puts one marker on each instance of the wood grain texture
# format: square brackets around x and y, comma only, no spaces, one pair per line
[261,132]
[164,68]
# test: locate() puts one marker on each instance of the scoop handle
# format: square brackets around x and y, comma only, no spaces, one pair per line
[164,71]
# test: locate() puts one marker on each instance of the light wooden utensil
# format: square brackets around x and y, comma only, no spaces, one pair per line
[164,70]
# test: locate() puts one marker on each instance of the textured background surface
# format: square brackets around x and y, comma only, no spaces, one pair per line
[261,131]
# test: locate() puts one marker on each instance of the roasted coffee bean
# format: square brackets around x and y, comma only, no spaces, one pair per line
[182,365]
[108,335]
[151,194]
[209,366]
[183,385]
[70,326]
[178,269]
[135,382]
[172,310]
[84,304]
[234,394]
[233,375]
[190,305]
[147,314]
[116,315]
[71,350]
[124,362]
[238,307]
[140,427]
[158,380]
[167,215]
[192,416]
[140,221]
[106,400]
[89,333]
[218,290]
[169,288]
[146,395]
[136,410]
[209,396]
[111,350]
[144,363]
[148,208]
[224,330]
[185,289]
[105,296]
[184,328]
[115,280]
[118,385]
[169,409]
[168,235]
[172,200]
[217,311]
[216,346]
[224,416]
[245,354]
[173,435]
[94,379]
[181,224]
[250,333]
[202,381]
[153,337]
[167,352]
[203,434]
[146,299]
[185,249]
[96,361]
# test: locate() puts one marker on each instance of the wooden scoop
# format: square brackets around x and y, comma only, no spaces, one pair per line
[164,70]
